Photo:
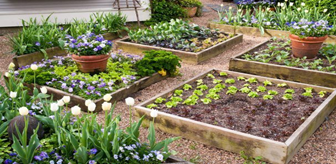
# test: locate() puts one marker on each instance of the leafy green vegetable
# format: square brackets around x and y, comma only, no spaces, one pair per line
[290,91]
[245,90]
[322,93]
[261,89]
[267,97]
[210,75]
[287,96]
[216,81]
[187,87]
[252,80]
[199,82]
[198,92]
[202,87]
[151,106]
[213,95]
[171,104]
[272,92]
[253,94]
[240,78]
[206,101]
[223,74]
[230,81]
[267,83]
[160,100]
[178,92]
[282,85]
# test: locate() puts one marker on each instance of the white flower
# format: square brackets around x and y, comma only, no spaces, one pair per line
[11,65]
[154,113]
[43,90]
[325,10]
[92,107]
[222,5]
[12,94]
[66,99]
[7,74]
[107,97]
[60,102]
[159,157]
[129,101]
[291,3]
[23,111]
[282,4]
[88,102]
[230,8]
[239,10]
[106,106]
[303,4]
[279,4]
[299,9]
[76,110]
[34,67]
[286,0]
[102,45]
[306,11]
[54,107]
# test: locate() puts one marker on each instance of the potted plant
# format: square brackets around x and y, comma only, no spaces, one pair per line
[191,6]
[307,37]
[89,51]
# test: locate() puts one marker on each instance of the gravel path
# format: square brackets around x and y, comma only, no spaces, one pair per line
[320,148]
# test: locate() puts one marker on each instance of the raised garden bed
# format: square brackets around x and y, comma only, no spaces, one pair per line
[254,31]
[62,78]
[187,57]
[27,59]
[275,127]
[259,61]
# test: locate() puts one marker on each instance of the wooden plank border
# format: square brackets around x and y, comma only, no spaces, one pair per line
[187,57]
[271,151]
[254,31]
[314,77]
[117,95]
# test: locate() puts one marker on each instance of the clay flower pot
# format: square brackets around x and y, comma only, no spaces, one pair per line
[95,63]
[308,46]
[191,11]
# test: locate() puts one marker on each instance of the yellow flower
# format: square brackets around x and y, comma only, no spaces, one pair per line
[163,72]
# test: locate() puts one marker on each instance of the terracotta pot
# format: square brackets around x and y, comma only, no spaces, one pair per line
[93,63]
[308,46]
[191,11]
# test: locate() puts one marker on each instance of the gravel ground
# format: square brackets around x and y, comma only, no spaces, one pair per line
[320,147]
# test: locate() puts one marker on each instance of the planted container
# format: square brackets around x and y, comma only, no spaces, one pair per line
[215,118]
[306,47]
[91,63]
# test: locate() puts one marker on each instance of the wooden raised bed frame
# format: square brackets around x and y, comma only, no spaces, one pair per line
[254,31]
[314,77]
[27,59]
[187,57]
[117,95]
[271,151]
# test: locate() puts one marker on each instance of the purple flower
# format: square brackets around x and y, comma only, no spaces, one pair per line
[31,113]
[92,162]
[91,88]
[64,86]
[44,155]
[58,156]
[110,83]
[73,74]
[99,48]
[52,117]
[37,44]
[12,154]
[95,49]
[73,40]
[70,90]
[98,93]
[38,158]
[101,85]
[93,151]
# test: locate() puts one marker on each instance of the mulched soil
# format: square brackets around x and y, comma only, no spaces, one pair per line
[275,119]
[320,147]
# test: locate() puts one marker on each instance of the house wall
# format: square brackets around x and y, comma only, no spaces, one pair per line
[13,11]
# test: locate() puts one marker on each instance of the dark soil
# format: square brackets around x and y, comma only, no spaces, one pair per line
[301,63]
[275,119]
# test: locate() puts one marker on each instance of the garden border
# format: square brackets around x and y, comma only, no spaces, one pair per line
[281,71]
[117,95]
[254,31]
[27,59]
[187,57]
[271,151]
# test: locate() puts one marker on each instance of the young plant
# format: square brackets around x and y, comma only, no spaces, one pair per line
[267,97]
[230,81]
[160,100]
[176,99]
[287,96]
[178,92]
[171,104]
[307,94]
[198,92]
[210,76]
[253,94]
[213,95]
[232,90]
[151,106]
[202,87]
[281,85]
[206,101]
[216,81]
[261,89]
[245,90]
[220,86]
[187,87]
[322,93]
[252,80]
[308,89]
[241,78]
[199,82]
[272,92]
[267,83]
[223,74]
[289,91]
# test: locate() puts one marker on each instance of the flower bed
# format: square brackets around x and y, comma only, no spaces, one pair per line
[193,44]
[209,108]
[273,59]
[122,78]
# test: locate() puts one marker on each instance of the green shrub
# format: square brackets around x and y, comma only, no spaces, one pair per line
[155,61]
[165,10]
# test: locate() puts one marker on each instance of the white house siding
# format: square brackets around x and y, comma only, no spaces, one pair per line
[13,11]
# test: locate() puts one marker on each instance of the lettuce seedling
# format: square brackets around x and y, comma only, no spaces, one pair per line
[160,100]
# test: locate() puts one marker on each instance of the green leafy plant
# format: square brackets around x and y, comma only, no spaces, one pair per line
[176,99]
[199,82]
[160,100]
[282,85]
[261,89]
[198,92]
[151,106]
[322,93]
[232,90]
[210,75]
[253,94]
[307,94]
[272,92]
[230,81]
[171,104]
[245,90]
[287,96]
[290,91]
[308,89]
[220,86]
[241,78]
[252,80]
[267,83]
[216,81]
[178,92]
[202,87]
[267,97]
[213,95]
[154,61]
[223,74]
[206,101]
[187,87]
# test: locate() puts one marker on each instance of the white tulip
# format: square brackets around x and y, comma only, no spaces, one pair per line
[54,107]
[325,10]
[282,4]
[303,4]
[306,11]
[92,107]
[12,94]
[43,90]
[129,101]
[107,97]
[154,113]
[66,99]
[76,110]
[88,102]
[106,106]
[299,9]
[291,3]
[60,102]
[230,8]
[11,65]
[34,67]
[221,5]
[23,111]
[7,74]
